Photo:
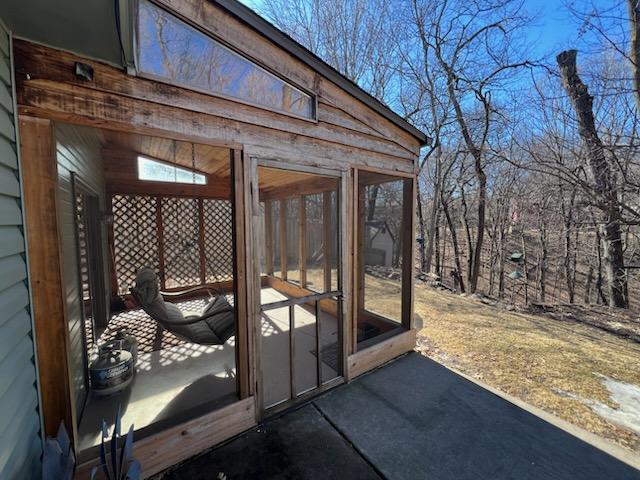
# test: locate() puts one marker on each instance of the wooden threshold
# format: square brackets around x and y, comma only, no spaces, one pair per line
[169,447]
[380,353]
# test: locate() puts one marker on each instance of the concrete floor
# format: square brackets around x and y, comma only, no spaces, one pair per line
[412,419]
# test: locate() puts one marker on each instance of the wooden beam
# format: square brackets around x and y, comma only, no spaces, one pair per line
[302,240]
[160,232]
[360,246]
[40,180]
[354,223]
[292,290]
[112,248]
[327,241]
[254,279]
[381,353]
[201,244]
[408,250]
[46,64]
[268,236]
[241,280]
[291,190]
[164,449]
[46,87]
[282,224]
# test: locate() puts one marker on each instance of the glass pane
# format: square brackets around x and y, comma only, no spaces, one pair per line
[381,203]
[275,236]
[322,241]
[169,48]
[305,366]
[292,231]
[275,355]
[330,348]
[155,171]
[314,246]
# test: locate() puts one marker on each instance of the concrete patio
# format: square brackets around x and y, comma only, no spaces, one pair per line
[411,419]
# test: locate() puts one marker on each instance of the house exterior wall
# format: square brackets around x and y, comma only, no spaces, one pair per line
[20,443]
[78,150]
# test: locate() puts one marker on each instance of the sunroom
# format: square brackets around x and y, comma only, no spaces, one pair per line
[219,225]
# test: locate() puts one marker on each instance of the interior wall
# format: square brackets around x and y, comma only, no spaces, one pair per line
[77,150]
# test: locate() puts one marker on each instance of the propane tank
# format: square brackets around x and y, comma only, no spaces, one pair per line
[113,370]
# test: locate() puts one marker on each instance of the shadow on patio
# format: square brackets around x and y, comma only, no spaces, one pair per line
[410,419]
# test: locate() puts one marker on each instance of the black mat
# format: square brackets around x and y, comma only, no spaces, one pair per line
[299,445]
[414,419]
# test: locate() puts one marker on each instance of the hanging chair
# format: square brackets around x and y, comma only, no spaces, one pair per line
[214,325]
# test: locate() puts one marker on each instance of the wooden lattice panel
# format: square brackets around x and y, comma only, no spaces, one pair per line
[181,237]
[135,237]
[218,240]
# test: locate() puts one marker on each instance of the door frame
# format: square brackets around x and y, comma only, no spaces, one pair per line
[252,163]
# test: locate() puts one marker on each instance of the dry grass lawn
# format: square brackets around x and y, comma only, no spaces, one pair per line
[534,358]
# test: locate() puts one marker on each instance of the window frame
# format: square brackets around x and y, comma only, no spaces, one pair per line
[226,45]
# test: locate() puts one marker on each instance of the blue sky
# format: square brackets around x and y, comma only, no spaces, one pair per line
[554,28]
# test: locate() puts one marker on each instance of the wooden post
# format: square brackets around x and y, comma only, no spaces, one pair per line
[408,249]
[327,239]
[302,240]
[283,239]
[360,247]
[268,236]
[112,249]
[40,180]
[160,231]
[240,278]
[202,256]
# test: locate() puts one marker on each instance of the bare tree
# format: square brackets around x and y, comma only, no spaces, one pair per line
[603,176]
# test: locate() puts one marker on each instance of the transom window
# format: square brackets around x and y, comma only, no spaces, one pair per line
[169,48]
[156,171]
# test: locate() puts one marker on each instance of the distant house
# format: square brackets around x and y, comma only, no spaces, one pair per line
[194,139]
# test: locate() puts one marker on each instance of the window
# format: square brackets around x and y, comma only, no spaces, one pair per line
[384,256]
[156,171]
[171,49]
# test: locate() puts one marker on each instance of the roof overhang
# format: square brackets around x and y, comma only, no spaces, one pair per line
[90,28]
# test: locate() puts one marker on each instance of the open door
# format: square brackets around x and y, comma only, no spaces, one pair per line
[301,292]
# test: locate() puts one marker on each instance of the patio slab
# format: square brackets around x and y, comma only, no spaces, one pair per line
[412,419]
[416,419]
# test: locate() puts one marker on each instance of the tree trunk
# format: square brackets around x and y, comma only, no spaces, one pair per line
[434,213]
[525,268]
[634,27]
[421,248]
[436,246]
[501,246]
[456,249]
[605,185]
[467,233]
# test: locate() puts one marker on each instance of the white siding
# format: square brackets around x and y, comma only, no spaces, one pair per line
[20,444]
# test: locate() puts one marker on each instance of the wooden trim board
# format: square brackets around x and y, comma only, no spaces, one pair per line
[169,447]
[380,353]
[40,180]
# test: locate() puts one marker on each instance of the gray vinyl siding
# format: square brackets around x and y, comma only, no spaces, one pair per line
[20,443]
[78,150]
